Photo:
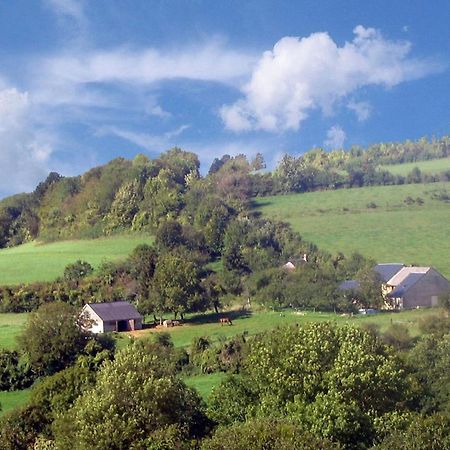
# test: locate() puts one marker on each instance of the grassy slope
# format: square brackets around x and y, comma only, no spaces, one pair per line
[392,232]
[11,326]
[44,262]
[431,167]
[14,399]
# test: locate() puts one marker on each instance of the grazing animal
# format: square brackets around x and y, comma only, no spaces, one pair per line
[176,323]
[225,320]
[168,323]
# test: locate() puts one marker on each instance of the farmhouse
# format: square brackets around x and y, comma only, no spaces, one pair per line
[414,287]
[114,316]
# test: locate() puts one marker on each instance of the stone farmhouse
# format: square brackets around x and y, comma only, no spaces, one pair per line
[113,316]
[411,287]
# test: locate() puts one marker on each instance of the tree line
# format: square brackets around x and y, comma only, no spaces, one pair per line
[138,195]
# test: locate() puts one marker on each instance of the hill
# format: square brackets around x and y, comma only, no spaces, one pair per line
[44,262]
[432,167]
[408,223]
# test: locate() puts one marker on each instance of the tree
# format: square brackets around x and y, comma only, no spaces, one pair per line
[266,434]
[78,270]
[52,338]
[177,283]
[130,402]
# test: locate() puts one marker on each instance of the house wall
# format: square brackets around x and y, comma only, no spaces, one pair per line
[425,292]
[109,326]
[97,323]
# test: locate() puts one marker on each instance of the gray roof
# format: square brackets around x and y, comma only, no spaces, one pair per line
[387,271]
[115,311]
[409,281]
[349,285]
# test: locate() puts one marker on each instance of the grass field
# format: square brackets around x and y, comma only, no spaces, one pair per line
[205,382]
[257,322]
[44,262]
[340,220]
[11,325]
[13,399]
[433,166]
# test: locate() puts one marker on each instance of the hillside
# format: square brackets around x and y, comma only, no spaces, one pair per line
[386,223]
[432,167]
[33,261]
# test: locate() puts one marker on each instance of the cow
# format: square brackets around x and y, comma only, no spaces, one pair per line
[225,320]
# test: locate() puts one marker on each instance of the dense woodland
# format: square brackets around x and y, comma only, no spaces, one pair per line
[315,386]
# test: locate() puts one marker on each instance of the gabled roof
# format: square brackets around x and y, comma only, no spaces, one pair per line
[410,280]
[402,274]
[349,285]
[115,311]
[388,270]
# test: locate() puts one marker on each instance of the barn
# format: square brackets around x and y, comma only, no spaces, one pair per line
[112,316]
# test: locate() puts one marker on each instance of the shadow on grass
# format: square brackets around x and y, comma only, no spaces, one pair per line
[214,318]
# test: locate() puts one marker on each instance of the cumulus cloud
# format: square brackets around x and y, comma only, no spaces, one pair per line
[335,137]
[24,152]
[302,74]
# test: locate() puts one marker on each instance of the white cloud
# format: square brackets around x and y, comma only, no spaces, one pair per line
[24,152]
[210,62]
[335,137]
[300,75]
[361,109]
[151,143]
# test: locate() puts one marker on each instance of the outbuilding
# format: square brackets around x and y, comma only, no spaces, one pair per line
[111,316]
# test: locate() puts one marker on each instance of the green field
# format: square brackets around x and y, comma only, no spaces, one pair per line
[44,262]
[205,382]
[393,231]
[11,325]
[433,166]
[12,400]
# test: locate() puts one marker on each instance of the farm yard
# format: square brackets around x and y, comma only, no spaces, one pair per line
[404,223]
[36,261]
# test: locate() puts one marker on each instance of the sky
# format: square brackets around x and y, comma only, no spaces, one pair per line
[85,81]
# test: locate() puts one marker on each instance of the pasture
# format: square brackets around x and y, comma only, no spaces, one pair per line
[11,325]
[433,166]
[13,399]
[251,323]
[35,261]
[386,223]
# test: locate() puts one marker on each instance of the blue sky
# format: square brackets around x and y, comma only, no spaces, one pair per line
[82,82]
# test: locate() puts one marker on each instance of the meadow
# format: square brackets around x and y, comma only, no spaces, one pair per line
[433,166]
[13,399]
[11,325]
[36,261]
[244,322]
[386,223]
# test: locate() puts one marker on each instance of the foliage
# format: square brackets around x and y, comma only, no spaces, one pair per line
[52,339]
[15,373]
[77,271]
[265,434]
[130,401]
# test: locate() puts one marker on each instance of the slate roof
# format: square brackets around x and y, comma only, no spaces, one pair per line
[402,274]
[115,311]
[410,280]
[349,285]
[388,270]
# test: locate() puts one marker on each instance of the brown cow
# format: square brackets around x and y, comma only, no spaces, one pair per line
[225,320]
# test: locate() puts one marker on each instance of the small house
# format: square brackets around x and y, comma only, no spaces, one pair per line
[112,316]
